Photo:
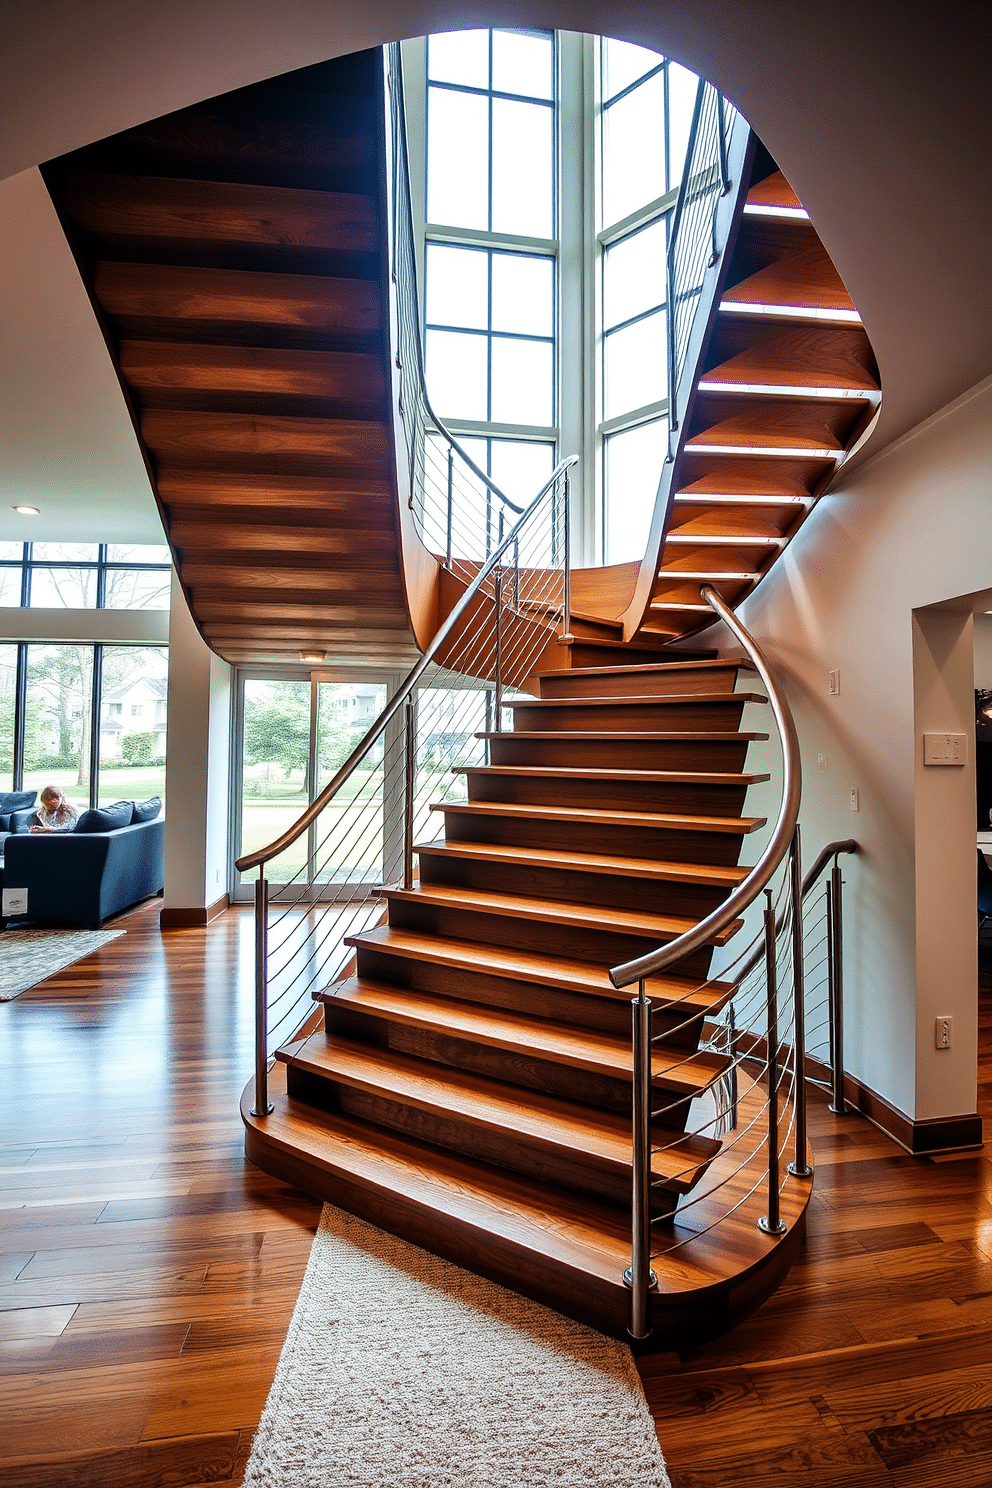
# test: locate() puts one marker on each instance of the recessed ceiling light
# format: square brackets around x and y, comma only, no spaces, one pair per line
[28,511]
[312,655]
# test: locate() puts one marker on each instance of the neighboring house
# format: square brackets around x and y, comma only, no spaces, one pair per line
[138,707]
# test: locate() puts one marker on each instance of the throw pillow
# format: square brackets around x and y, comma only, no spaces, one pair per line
[105,818]
[17,800]
[147,810]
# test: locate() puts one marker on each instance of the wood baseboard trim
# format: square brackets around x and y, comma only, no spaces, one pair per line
[194,919]
[919,1138]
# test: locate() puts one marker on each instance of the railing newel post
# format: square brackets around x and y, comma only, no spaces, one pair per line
[639,1276]
[262,1106]
[835,965]
[799,1167]
[498,694]
[410,785]
[772,1222]
[567,570]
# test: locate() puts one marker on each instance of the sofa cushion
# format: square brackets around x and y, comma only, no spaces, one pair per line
[16,800]
[124,806]
[147,810]
[105,818]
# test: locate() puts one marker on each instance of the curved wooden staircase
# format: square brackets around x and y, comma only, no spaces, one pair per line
[469,1085]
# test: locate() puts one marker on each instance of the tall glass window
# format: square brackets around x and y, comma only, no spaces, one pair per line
[646,111]
[85,576]
[91,719]
[490,291]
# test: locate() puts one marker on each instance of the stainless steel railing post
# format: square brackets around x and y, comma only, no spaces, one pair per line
[772,1223]
[566,633]
[498,699]
[451,506]
[799,1167]
[639,1276]
[261,1106]
[409,790]
[835,971]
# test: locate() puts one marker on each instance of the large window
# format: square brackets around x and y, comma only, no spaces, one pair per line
[645,118]
[552,167]
[84,576]
[490,265]
[90,719]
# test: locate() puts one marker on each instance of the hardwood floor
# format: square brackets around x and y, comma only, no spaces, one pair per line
[148,1274]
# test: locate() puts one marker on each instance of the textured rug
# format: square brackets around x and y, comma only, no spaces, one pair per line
[400,1370]
[27,957]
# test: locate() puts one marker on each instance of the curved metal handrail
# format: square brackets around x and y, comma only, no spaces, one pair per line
[392,708]
[749,888]
[849,845]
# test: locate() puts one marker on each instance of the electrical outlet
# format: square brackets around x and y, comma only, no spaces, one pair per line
[821,763]
[855,799]
[217,876]
[942,1033]
[834,688]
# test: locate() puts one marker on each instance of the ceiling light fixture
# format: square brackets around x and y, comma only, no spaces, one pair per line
[313,656]
[28,511]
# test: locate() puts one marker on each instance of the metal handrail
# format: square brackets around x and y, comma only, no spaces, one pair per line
[849,845]
[750,887]
[264,854]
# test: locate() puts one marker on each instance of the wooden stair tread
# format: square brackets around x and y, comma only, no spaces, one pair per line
[558,1125]
[657,820]
[617,736]
[551,1230]
[585,977]
[657,700]
[581,1048]
[730,663]
[553,772]
[554,911]
[579,862]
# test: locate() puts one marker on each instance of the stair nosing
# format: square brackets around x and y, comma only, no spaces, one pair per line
[648,821]
[588,862]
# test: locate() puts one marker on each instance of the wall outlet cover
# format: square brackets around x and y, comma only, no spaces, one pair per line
[834,684]
[942,1033]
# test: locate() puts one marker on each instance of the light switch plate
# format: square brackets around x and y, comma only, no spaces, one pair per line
[834,684]
[945,749]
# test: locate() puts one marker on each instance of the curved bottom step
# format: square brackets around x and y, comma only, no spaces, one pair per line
[561,1249]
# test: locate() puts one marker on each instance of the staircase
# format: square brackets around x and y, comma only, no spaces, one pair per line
[234,255]
[470,1085]
[468,1082]
[785,389]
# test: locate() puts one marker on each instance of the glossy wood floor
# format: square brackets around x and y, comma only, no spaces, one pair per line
[148,1275]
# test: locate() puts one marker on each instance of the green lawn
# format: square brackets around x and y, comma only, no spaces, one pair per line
[136,784]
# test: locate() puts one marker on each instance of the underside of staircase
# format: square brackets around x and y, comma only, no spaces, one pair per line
[234,256]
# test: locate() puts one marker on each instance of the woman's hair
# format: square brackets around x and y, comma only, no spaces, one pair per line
[51,792]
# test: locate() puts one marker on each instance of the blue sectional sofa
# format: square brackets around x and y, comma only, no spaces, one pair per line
[81,877]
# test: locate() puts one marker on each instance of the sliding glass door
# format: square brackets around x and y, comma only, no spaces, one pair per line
[294,732]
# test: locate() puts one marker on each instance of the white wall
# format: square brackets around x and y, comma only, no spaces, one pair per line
[909,529]
[197,766]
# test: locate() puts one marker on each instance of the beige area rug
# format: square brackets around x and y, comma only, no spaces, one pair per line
[400,1370]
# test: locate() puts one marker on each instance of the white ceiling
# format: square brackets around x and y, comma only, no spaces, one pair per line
[876,112]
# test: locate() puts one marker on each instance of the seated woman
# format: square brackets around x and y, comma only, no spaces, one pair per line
[55,813]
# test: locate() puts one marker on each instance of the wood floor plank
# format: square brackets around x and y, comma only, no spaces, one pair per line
[869,1367]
